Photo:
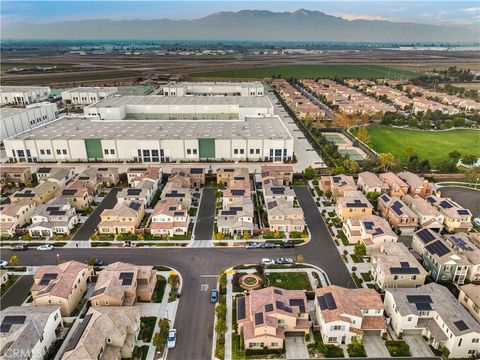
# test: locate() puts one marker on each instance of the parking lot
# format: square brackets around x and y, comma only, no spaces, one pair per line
[468,198]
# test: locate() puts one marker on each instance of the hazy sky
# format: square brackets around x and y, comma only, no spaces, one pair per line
[460,13]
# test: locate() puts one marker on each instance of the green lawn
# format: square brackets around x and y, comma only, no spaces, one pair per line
[290,280]
[431,145]
[308,71]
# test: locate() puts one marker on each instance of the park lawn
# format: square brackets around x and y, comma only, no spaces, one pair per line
[308,71]
[431,145]
[290,280]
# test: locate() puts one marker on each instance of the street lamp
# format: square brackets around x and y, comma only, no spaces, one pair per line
[58,258]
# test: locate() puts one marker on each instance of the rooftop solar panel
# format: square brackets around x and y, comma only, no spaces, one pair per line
[5,328]
[423,306]
[44,170]
[412,299]
[102,169]
[296,302]
[236,208]
[460,325]
[438,248]
[134,206]
[134,191]
[172,208]
[272,204]
[322,303]
[431,200]
[259,318]
[238,192]
[445,204]
[126,275]
[460,243]
[58,212]
[404,264]
[330,301]
[425,235]
[228,213]
[14,319]
[269,307]
[463,212]
[368,225]
[404,270]
[53,208]
[278,190]
[241,308]
[196,171]
[280,305]
[69,192]
[178,213]
[385,197]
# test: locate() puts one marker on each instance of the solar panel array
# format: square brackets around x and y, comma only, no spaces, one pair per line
[438,248]
[445,204]
[269,307]
[327,302]
[460,325]
[368,225]
[241,308]
[44,170]
[58,212]
[259,318]
[236,192]
[46,278]
[463,212]
[404,270]
[126,277]
[278,190]
[460,243]
[134,191]
[69,192]
[10,320]
[196,171]
[397,208]
[134,205]
[422,302]
[425,235]
[272,204]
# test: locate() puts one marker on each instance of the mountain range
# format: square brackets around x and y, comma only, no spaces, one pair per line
[261,25]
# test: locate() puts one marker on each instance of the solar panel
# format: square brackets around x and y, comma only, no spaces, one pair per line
[238,192]
[239,178]
[438,248]
[445,204]
[431,200]
[385,198]
[460,325]
[397,208]
[62,212]
[126,277]
[463,212]
[5,328]
[178,213]
[14,319]
[134,206]
[228,213]
[280,305]
[278,190]
[269,307]
[368,225]
[259,318]
[404,264]
[24,195]
[228,170]
[44,170]
[69,192]
[296,302]
[425,235]
[272,204]
[196,171]
[404,270]
[102,169]
[53,208]
[460,243]
[241,308]
[330,301]
[46,278]
[322,303]
[172,208]
[134,191]
[413,299]
[423,306]
[83,177]
[236,208]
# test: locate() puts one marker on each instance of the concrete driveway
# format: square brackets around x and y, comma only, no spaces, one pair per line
[418,346]
[375,347]
[296,348]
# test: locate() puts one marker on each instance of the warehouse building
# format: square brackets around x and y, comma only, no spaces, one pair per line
[214,89]
[87,95]
[17,120]
[261,138]
[23,95]
[155,107]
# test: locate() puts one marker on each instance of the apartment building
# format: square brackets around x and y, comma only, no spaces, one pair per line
[57,217]
[264,316]
[372,230]
[87,95]
[254,88]
[14,216]
[124,218]
[23,95]
[61,285]
[236,218]
[28,332]
[369,182]
[462,244]
[456,217]
[281,175]
[15,176]
[469,297]
[400,216]
[393,265]
[122,284]
[105,333]
[416,184]
[283,216]
[337,184]
[40,194]
[432,311]
[428,216]
[353,204]
[169,218]
[346,313]
[398,187]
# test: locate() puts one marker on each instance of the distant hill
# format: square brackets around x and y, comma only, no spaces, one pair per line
[262,25]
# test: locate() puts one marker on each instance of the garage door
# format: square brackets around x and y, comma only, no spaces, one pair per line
[206,148]
[294,334]
[412,332]
[372,332]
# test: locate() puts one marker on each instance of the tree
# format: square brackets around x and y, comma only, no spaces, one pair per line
[339,170]
[387,161]
[91,261]
[220,326]
[351,165]
[14,260]
[412,122]
[344,120]
[469,159]
[373,196]
[309,173]
[363,135]
[425,125]
[409,151]
[328,194]
[246,235]
[360,249]
[455,155]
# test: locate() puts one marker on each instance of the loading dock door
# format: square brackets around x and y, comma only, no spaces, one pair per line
[94,148]
[206,148]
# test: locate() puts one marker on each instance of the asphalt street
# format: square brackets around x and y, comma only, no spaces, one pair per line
[468,198]
[90,226]
[206,215]
[18,292]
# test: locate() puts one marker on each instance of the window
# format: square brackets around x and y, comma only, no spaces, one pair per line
[42,152]
[235,151]
[189,151]
[460,342]
[242,151]
[48,152]
[107,302]
[251,151]
[58,152]
[155,152]
[476,340]
[335,327]
[105,151]
[109,340]
[257,151]
[194,151]
[112,152]
[409,318]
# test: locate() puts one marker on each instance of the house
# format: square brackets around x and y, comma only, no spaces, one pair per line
[346,313]
[432,311]
[105,333]
[281,175]
[15,215]
[372,230]
[416,185]
[264,316]
[16,176]
[40,194]
[393,265]
[137,174]
[106,176]
[399,215]
[283,216]
[61,176]
[239,189]
[469,296]
[398,187]
[370,182]
[122,284]
[63,285]
[195,176]
[273,192]
[353,204]
[28,332]
[144,191]
[337,184]
[440,260]
[428,216]
[236,218]
[124,218]
[456,218]
[226,176]
[78,195]
[55,217]
[461,243]
[89,179]
[174,190]
[169,218]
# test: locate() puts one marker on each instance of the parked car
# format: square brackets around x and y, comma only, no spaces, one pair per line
[214,296]
[287,244]
[19,247]
[284,261]
[45,247]
[172,338]
[268,245]
[253,245]
[267,261]
[3,263]
[476,221]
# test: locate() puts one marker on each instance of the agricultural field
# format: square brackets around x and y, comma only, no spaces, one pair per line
[431,145]
[308,71]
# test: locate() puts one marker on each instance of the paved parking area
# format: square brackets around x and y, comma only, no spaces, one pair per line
[375,347]
[468,198]
[18,292]
[296,348]
[418,346]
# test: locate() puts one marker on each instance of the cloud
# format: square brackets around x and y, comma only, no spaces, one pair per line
[361,17]
[472,10]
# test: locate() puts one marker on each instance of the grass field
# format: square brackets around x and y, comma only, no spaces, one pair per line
[308,71]
[434,146]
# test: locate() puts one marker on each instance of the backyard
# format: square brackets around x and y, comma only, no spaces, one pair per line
[290,280]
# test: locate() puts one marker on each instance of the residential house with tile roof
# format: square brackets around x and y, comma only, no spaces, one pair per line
[106,176]
[462,244]
[15,175]
[273,192]
[346,313]
[416,184]
[433,312]
[237,190]
[40,194]
[169,218]
[124,218]
[236,218]
[353,204]
[469,296]
[144,191]
[281,175]
[14,216]
[456,217]
[58,175]
[283,216]
[428,215]
[190,177]
[138,174]
[339,185]
[398,187]
[370,182]
[61,285]
[372,230]
[229,175]
[177,191]
[264,316]
[399,215]
[78,195]
[57,217]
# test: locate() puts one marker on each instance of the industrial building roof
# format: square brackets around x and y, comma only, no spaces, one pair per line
[67,128]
